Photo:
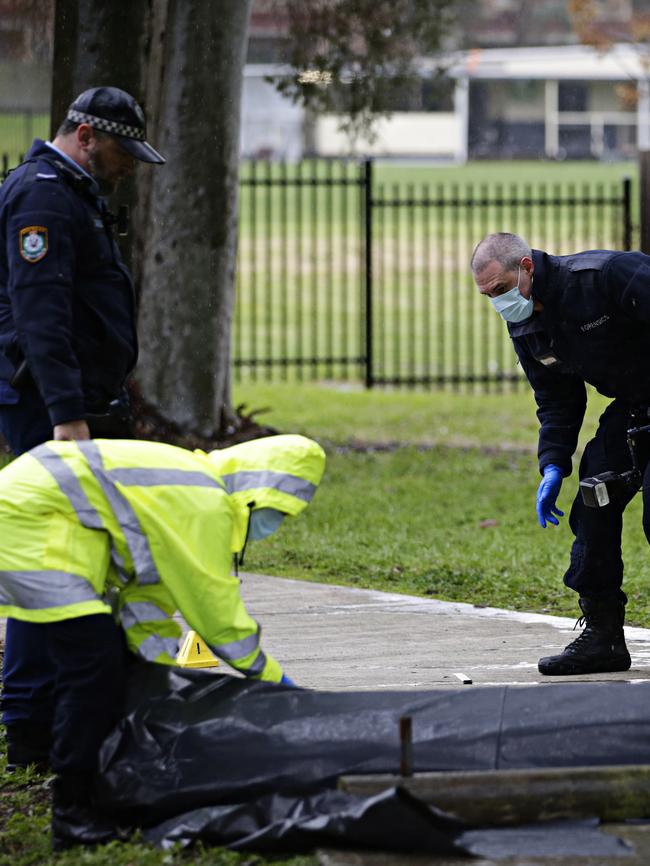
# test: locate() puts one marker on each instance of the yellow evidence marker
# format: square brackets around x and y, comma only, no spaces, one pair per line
[195,653]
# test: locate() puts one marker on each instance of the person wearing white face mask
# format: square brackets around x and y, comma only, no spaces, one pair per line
[576,319]
[511,305]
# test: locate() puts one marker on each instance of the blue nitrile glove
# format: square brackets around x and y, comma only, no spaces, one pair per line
[288,682]
[547,493]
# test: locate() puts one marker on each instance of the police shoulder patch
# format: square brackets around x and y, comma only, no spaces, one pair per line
[33,243]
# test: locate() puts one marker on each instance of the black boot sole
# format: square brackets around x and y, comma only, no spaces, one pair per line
[567,668]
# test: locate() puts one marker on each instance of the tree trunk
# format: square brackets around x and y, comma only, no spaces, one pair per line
[97,44]
[183,60]
[189,247]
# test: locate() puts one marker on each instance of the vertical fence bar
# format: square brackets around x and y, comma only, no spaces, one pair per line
[299,273]
[442,310]
[396,225]
[488,320]
[627,213]
[344,291]
[268,243]
[313,258]
[411,312]
[380,290]
[252,342]
[468,197]
[284,271]
[427,293]
[455,293]
[557,223]
[600,215]
[329,294]
[498,212]
[542,193]
[571,218]
[587,242]
[367,209]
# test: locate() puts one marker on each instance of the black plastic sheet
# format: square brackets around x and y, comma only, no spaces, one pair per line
[236,760]
[275,824]
[391,821]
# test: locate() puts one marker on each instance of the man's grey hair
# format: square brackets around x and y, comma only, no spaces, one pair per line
[502,247]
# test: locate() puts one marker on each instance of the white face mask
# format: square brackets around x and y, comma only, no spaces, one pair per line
[511,305]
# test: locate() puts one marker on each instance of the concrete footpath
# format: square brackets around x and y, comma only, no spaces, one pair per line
[336,637]
[340,638]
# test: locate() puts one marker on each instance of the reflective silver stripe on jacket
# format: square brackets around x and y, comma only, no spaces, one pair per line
[257,667]
[33,590]
[136,540]
[284,482]
[70,486]
[150,477]
[156,645]
[238,649]
[141,611]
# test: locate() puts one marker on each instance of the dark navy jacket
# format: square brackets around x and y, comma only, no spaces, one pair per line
[595,328]
[66,297]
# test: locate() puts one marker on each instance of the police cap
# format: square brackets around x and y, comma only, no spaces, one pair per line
[116,112]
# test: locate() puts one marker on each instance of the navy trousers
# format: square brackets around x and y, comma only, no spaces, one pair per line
[89,659]
[27,671]
[596,563]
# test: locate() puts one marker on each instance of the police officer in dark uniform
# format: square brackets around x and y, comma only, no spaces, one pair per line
[67,331]
[576,319]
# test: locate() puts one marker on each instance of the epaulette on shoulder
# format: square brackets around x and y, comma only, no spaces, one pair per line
[39,170]
[47,176]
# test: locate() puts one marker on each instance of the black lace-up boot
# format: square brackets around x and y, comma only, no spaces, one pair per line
[601,646]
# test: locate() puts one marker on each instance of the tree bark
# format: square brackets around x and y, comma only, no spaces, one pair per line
[189,247]
[98,44]
[183,60]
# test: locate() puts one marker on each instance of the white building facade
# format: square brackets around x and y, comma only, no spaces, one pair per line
[566,102]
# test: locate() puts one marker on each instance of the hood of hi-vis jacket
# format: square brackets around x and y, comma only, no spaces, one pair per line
[281,472]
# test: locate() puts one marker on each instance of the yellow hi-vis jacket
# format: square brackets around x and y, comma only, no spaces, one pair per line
[145,530]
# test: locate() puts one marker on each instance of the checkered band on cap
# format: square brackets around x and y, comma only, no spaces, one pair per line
[112,126]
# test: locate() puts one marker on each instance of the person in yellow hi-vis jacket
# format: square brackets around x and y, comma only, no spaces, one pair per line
[104,540]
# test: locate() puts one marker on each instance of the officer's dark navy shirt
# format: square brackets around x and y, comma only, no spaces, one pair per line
[66,297]
[595,328]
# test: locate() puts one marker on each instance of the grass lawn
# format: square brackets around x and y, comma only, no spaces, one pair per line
[450,513]
[25,835]
[425,493]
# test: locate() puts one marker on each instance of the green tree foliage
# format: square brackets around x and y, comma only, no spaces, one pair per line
[352,56]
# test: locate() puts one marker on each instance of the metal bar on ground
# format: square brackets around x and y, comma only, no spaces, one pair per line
[406,746]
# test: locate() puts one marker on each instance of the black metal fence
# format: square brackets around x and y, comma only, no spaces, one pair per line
[350,273]
[347,276]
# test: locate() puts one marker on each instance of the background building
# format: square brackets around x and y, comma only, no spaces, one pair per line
[518,85]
